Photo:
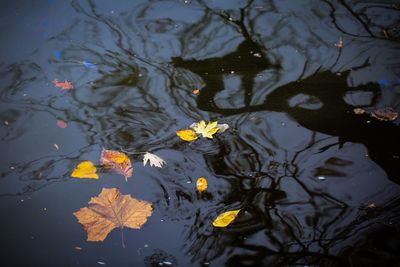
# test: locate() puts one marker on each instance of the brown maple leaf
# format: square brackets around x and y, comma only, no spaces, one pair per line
[118,161]
[109,210]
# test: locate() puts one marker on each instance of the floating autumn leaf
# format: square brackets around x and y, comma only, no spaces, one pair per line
[201,184]
[187,135]
[109,210]
[224,219]
[117,161]
[385,114]
[85,169]
[61,124]
[206,130]
[66,85]
[359,111]
[153,159]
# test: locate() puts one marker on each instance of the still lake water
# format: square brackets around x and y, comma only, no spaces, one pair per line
[317,185]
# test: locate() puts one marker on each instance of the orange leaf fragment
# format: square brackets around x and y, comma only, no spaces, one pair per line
[66,85]
[117,161]
[187,135]
[201,184]
[85,169]
[196,91]
[109,210]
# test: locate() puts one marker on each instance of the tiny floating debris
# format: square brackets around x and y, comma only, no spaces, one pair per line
[165,263]
[88,64]
[359,111]
[339,44]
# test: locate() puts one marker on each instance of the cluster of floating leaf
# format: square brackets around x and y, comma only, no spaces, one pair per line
[110,209]
[206,130]
[114,160]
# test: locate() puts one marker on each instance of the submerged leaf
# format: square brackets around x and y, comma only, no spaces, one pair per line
[109,210]
[385,114]
[153,159]
[201,184]
[206,130]
[224,219]
[61,124]
[117,161]
[66,85]
[85,169]
[187,135]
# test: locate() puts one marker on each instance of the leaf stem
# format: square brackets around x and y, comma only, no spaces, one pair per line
[122,238]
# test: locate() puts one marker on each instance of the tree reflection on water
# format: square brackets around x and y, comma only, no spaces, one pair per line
[298,162]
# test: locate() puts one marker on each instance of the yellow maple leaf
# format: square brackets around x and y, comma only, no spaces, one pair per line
[224,219]
[85,169]
[206,130]
[187,135]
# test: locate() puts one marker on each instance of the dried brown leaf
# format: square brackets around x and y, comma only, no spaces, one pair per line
[109,210]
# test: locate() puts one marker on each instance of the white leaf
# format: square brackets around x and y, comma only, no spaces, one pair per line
[222,127]
[153,159]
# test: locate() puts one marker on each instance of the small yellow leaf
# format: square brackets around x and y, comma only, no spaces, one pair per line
[85,169]
[201,184]
[187,135]
[224,219]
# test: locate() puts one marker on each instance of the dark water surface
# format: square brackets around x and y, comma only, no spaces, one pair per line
[298,162]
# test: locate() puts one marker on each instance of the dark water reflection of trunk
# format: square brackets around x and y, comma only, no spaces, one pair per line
[298,162]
